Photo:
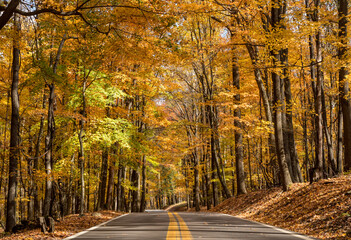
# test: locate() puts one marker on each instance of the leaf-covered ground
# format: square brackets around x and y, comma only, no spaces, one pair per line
[68,226]
[321,210]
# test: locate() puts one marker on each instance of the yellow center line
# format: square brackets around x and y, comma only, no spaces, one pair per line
[186,235]
[173,230]
[177,230]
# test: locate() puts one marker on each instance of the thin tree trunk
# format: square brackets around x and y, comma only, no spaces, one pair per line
[239,153]
[253,52]
[143,185]
[289,128]
[103,180]
[36,161]
[196,182]
[340,138]
[328,138]
[319,161]
[48,156]
[14,136]
[4,148]
[119,188]
[81,159]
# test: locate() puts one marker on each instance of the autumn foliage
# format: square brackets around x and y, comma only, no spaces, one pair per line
[127,105]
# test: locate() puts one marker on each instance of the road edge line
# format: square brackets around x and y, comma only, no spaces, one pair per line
[295,234]
[92,228]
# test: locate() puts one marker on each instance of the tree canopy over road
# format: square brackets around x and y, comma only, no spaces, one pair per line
[133,104]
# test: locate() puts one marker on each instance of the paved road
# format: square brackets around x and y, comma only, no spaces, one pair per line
[185,226]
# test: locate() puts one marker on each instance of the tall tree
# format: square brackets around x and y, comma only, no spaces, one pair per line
[15,131]
[277,13]
[345,89]
[239,161]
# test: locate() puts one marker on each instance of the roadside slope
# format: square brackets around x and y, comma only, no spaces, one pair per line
[70,225]
[321,210]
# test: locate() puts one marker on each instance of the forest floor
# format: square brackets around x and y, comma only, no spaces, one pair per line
[70,225]
[321,210]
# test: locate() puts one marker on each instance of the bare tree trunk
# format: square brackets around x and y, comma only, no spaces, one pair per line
[47,209]
[214,182]
[319,161]
[48,156]
[340,140]
[289,128]
[253,52]
[345,89]
[143,185]
[196,181]
[14,136]
[81,153]
[277,99]
[215,149]
[134,192]
[2,170]
[4,149]
[110,184]
[119,187]
[103,180]
[239,154]
[328,137]
[36,162]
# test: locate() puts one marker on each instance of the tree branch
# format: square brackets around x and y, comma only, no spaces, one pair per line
[8,12]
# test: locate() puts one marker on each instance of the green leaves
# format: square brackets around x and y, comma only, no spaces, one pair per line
[99,93]
[108,131]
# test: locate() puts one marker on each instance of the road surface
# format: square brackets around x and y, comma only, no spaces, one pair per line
[184,226]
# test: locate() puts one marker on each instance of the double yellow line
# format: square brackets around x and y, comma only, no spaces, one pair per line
[177,228]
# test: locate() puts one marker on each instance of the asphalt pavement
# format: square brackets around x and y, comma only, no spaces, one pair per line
[158,224]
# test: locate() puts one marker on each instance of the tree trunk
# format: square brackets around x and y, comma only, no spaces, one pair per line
[215,150]
[328,137]
[48,156]
[340,138]
[81,154]
[119,187]
[110,185]
[134,192]
[239,153]
[36,162]
[253,52]
[214,176]
[143,185]
[103,180]
[289,128]
[345,89]
[2,171]
[14,135]
[319,161]
[196,181]
[277,100]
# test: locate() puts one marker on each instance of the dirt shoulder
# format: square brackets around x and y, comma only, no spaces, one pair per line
[70,225]
[321,210]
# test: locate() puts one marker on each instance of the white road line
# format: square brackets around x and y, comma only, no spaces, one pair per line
[92,228]
[275,228]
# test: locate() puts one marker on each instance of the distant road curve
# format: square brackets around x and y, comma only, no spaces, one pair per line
[160,224]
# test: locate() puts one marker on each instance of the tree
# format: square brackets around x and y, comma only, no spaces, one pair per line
[343,72]
[276,18]
[15,130]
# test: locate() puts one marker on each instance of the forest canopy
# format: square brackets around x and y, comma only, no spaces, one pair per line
[126,105]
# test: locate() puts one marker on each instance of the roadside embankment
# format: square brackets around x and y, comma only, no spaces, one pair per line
[321,209]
